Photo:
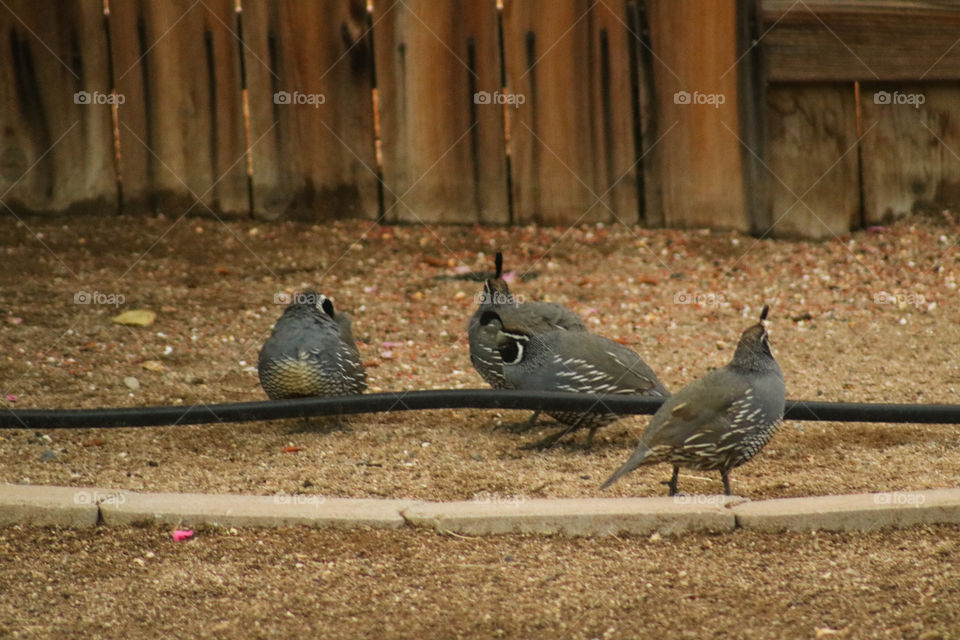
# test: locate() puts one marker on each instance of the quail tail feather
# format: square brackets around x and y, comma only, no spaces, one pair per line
[637,458]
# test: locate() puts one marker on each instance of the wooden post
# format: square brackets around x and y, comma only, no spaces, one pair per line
[573,138]
[443,151]
[311,106]
[56,146]
[181,123]
[696,152]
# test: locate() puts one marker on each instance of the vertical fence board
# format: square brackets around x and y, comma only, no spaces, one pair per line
[55,154]
[181,125]
[697,164]
[924,173]
[812,132]
[554,134]
[443,153]
[315,158]
[614,113]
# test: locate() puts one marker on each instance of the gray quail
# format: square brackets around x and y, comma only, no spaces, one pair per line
[720,421]
[571,361]
[311,352]
[533,317]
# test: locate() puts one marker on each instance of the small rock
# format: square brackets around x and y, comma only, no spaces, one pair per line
[153,463]
[135,318]
[132,383]
[48,454]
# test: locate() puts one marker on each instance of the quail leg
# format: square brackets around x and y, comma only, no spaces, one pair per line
[549,441]
[672,484]
[725,476]
[521,427]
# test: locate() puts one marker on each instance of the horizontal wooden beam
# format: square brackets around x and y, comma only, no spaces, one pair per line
[869,40]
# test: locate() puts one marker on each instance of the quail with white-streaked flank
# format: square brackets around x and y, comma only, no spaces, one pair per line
[533,317]
[311,352]
[720,421]
[571,361]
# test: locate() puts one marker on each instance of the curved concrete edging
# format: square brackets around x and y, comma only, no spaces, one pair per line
[86,507]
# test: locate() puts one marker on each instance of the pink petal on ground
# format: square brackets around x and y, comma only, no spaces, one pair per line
[510,277]
[179,535]
[462,269]
[386,355]
[390,345]
[11,397]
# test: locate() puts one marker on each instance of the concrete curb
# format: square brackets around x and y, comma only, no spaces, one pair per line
[861,512]
[577,517]
[77,507]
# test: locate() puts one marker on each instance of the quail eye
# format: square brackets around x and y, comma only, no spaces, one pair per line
[327,306]
[511,352]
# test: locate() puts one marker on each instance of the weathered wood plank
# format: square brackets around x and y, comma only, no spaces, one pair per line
[181,124]
[552,63]
[310,88]
[847,40]
[814,186]
[911,154]
[443,152]
[696,150]
[56,150]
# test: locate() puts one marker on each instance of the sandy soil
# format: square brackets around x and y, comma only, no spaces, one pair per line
[679,298]
[213,287]
[137,582]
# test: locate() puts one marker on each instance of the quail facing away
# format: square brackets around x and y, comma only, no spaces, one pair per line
[533,317]
[311,352]
[721,420]
[571,361]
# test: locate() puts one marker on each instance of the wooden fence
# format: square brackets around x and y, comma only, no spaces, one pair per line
[800,117]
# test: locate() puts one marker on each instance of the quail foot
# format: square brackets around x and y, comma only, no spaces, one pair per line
[571,361]
[534,317]
[720,421]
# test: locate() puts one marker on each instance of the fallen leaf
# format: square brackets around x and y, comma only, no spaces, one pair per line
[291,449]
[153,365]
[135,318]
[223,271]
[96,442]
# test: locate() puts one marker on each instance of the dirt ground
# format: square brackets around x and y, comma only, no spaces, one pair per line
[137,582]
[213,288]
[871,317]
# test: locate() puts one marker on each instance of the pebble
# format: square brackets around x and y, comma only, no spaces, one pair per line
[48,454]
[131,383]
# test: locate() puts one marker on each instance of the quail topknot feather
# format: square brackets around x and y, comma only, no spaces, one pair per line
[719,421]
[533,317]
[311,352]
[571,361]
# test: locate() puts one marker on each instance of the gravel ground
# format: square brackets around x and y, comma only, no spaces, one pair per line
[137,582]
[680,298]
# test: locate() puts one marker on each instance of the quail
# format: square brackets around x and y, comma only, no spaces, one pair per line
[311,352]
[719,421]
[571,361]
[533,317]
